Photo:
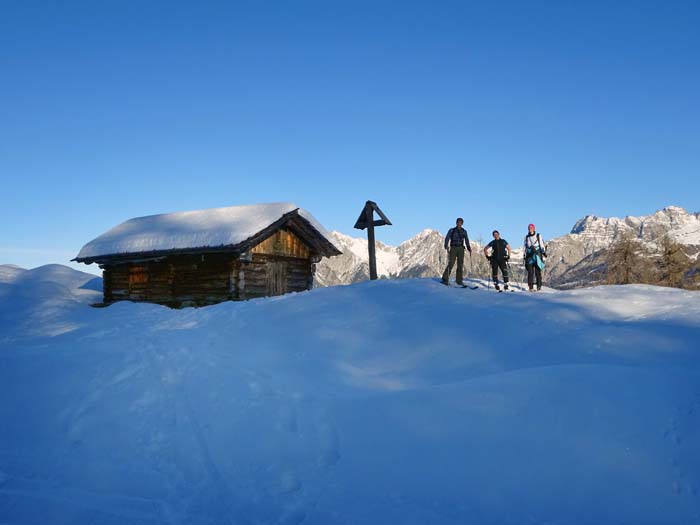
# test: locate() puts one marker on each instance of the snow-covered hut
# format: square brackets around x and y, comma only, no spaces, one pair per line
[209,256]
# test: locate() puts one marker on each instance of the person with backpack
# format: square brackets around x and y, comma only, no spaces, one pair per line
[500,253]
[535,253]
[455,242]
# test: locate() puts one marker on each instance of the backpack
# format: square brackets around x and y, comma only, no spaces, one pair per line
[535,258]
[539,243]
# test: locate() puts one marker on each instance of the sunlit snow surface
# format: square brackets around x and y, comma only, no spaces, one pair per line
[391,402]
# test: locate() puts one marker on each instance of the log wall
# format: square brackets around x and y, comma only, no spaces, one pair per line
[268,275]
[280,264]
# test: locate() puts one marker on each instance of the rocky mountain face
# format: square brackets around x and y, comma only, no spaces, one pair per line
[421,256]
[575,259]
[417,257]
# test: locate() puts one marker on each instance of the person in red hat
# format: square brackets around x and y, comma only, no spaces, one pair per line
[535,253]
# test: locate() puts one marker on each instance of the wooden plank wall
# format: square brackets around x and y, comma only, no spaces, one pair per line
[278,265]
[260,276]
[283,243]
[180,280]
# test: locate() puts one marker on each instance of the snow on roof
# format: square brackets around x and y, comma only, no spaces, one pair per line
[193,229]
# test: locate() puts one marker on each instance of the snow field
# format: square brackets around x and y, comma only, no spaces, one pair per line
[383,402]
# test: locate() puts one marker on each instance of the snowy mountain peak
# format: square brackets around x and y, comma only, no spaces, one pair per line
[583,224]
[600,230]
[341,236]
[426,232]
[594,223]
[675,209]
[575,253]
[423,254]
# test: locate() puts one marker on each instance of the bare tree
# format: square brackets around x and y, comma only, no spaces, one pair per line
[480,266]
[628,262]
[674,264]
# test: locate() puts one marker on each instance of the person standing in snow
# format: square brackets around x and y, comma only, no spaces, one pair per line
[455,242]
[500,253]
[535,254]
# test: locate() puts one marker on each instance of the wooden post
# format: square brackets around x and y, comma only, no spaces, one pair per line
[369,212]
[366,220]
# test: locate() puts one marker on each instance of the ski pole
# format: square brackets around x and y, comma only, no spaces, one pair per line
[545,266]
[471,267]
[488,281]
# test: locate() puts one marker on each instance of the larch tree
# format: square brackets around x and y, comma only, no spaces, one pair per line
[674,264]
[628,261]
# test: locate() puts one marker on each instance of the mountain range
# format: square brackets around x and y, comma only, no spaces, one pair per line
[571,257]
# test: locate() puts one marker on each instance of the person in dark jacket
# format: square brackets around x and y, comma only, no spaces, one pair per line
[535,254]
[500,253]
[455,242]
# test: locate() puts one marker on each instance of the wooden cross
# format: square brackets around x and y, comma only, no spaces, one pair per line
[366,220]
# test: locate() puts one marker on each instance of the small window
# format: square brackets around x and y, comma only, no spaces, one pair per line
[138,274]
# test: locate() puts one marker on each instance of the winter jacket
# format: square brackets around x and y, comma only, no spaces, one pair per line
[499,250]
[533,243]
[457,237]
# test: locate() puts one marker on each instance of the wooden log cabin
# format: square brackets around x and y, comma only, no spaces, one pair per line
[204,257]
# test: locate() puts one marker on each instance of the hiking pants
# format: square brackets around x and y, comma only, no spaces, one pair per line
[533,272]
[456,253]
[495,265]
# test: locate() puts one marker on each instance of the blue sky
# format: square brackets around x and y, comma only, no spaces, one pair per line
[504,113]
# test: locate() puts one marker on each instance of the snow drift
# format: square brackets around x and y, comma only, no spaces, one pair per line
[384,402]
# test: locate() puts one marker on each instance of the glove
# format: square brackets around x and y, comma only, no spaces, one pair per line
[507,257]
[544,255]
[488,257]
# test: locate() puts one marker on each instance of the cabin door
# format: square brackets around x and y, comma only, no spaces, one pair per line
[277,277]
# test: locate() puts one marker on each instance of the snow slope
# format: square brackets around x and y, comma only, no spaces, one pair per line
[10,272]
[394,401]
[423,255]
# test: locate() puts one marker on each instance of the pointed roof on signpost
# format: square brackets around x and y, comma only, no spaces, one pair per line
[366,220]
[361,223]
